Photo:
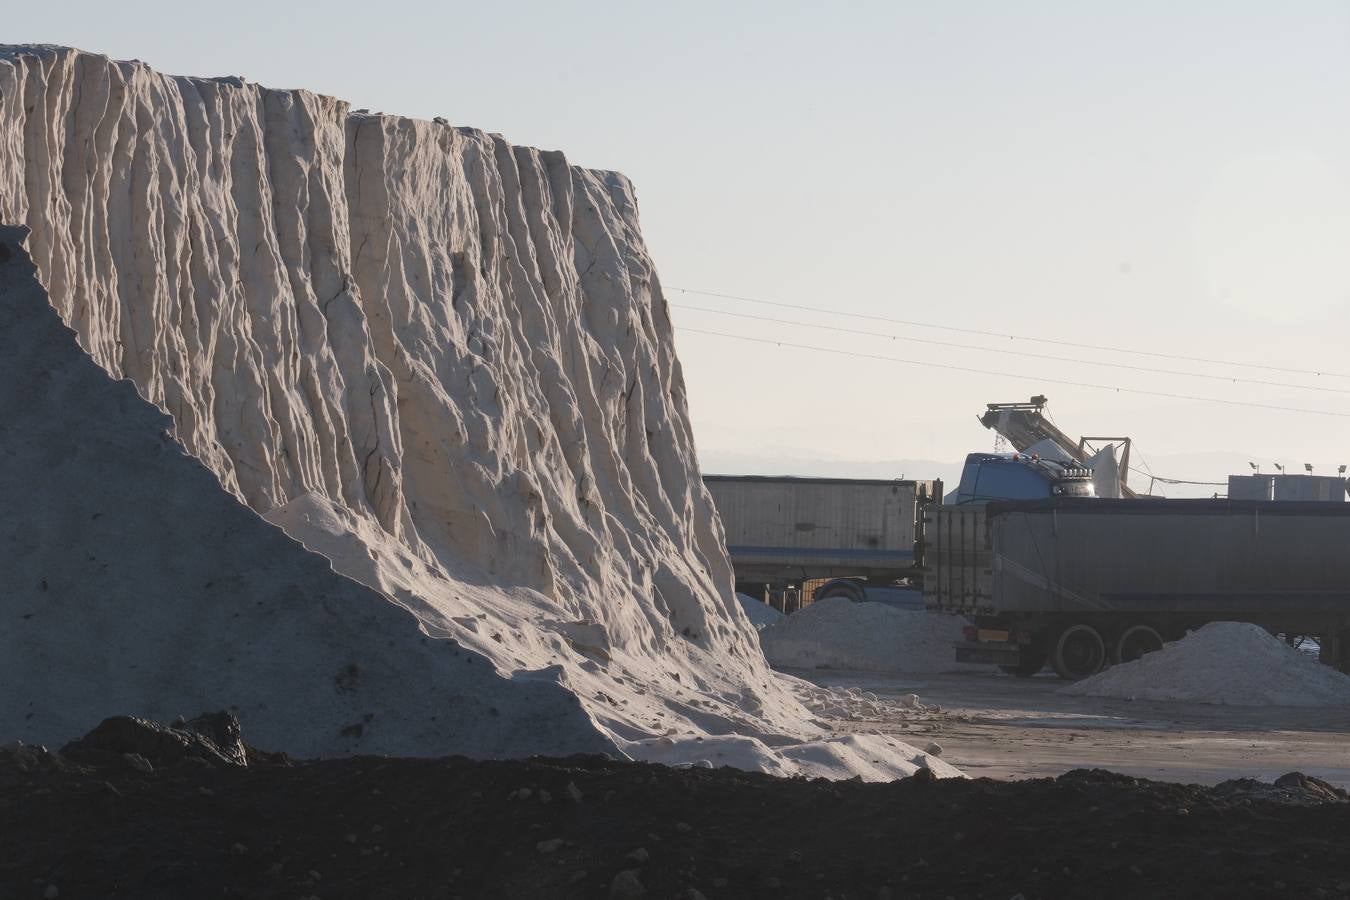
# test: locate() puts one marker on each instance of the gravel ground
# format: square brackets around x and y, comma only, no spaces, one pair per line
[1004,727]
[166,824]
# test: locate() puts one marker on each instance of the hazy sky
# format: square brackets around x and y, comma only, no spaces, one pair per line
[1165,177]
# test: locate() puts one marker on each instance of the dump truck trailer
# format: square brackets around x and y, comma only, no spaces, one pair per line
[856,537]
[788,531]
[1084,583]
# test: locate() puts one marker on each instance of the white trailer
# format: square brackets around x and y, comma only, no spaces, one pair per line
[785,531]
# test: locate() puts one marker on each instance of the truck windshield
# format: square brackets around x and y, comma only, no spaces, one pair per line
[1004,481]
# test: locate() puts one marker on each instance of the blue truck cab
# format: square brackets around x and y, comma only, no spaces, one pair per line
[1018,476]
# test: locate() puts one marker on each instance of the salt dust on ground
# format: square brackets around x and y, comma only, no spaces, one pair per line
[837,633]
[1233,663]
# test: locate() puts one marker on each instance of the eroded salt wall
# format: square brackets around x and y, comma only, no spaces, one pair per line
[351,304]
[441,360]
[134,581]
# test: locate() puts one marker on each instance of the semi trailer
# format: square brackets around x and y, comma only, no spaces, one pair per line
[1086,583]
[862,538]
[1045,565]
[784,532]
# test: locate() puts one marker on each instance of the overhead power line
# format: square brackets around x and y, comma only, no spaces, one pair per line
[1161,480]
[853,354]
[1023,353]
[1015,337]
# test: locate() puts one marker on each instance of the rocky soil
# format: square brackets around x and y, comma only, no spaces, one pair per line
[183,819]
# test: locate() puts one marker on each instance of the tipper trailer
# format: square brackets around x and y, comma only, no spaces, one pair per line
[783,531]
[861,538]
[1084,583]
[1043,570]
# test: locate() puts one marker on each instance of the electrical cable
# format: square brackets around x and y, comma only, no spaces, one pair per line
[1161,480]
[1015,337]
[1137,452]
[853,354]
[1023,353]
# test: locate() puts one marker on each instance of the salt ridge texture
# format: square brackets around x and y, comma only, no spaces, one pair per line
[134,581]
[1233,663]
[837,633]
[440,360]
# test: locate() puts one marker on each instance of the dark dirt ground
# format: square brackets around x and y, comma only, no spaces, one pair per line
[98,824]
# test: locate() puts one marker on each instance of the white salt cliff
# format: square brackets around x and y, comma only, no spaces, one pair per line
[440,362]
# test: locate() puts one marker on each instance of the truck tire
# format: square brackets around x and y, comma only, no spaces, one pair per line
[1079,652]
[840,587]
[1137,640]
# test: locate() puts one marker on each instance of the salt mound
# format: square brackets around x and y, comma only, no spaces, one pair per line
[760,614]
[134,583]
[1233,663]
[440,362]
[836,633]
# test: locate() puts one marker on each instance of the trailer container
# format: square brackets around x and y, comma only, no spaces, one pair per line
[1087,582]
[782,530]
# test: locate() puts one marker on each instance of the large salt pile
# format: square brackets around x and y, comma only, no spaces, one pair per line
[1232,663]
[439,360]
[135,582]
[837,633]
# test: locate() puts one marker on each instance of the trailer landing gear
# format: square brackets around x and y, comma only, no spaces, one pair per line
[1335,648]
[1079,651]
[1030,661]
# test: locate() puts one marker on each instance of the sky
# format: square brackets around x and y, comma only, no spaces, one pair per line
[1156,177]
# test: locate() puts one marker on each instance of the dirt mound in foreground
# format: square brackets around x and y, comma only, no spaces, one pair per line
[593,827]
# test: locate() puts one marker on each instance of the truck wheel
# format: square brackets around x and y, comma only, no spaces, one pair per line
[1030,661]
[1079,652]
[1137,640]
[840,587]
